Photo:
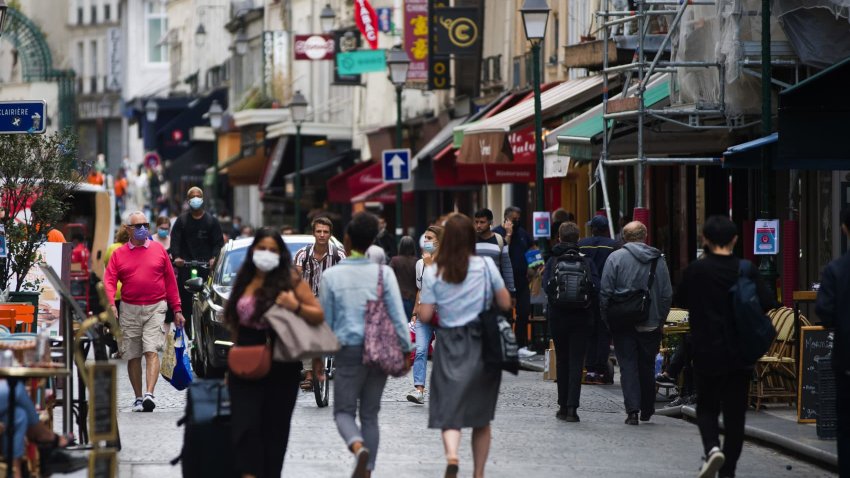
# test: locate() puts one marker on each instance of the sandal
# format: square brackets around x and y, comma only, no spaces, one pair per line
[307,384]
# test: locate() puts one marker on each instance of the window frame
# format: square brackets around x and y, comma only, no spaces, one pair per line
[153,10]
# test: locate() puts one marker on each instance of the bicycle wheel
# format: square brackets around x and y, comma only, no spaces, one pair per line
[321,389]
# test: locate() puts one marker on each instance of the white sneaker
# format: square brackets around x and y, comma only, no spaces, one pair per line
[416,396]
[137,405]
[712,464]
[525,353]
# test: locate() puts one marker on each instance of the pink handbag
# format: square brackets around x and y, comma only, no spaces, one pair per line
[381,348]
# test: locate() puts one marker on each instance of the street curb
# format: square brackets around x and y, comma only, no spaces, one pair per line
[816,454]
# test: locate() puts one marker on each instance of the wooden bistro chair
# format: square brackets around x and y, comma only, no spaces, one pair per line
[7,318]
[24,315]
[775,374]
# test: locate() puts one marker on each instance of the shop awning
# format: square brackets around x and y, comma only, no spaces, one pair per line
[437,143]
[813,118]
[173,137]
[338,190]
[323,166]
[384,193]
[749,154]
[575,137]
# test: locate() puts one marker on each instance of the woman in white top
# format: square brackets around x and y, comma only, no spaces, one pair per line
[463,389]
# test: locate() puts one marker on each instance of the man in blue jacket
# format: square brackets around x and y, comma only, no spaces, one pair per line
[519,242]
[833,309]
[598,247]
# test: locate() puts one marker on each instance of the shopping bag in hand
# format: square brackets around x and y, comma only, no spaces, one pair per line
[181,375]
[169,360]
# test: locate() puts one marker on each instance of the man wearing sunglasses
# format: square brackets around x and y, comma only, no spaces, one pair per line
[147,284]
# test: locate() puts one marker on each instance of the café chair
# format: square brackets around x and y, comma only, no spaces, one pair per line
[775,373]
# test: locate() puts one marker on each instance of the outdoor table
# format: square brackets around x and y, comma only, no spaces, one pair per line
[13,375]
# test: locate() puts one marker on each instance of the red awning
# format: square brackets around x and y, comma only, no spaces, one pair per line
[338,190]
[382,193]
[449,173]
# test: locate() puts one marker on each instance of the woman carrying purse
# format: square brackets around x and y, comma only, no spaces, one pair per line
[463,389]
[261,408]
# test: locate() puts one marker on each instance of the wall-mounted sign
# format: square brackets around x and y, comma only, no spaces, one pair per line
[385,20]
[457,31]
[767,237]
[275,63]
[114,55]
[439,74]
[416,39]
[345,41]
[522,144]
[28,116]
[361,61]
[542,224]
[367,22]
[314,47]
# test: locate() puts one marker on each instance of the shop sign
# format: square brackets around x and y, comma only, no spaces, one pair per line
[114,57]
[345,41]
[555,166]
[367,22]
[439,74]
[361,61]
[767,237]
[457,31]
[416,39]
[275,63]
[523,146]
[385,20]
[314,47]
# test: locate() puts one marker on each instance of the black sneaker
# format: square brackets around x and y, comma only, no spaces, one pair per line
[645,416]
[148,404]
[632,419]
[664,379]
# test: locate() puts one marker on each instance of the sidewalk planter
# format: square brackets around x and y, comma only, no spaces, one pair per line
[27,297]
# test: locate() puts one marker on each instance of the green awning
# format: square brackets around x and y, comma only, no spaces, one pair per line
[575,137]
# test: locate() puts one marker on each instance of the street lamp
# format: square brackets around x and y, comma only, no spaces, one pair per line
[535,16]
[298,112]
[327,18]
[4,9]
[151,111]
[105,108]
[398,63]
[241,43]
[200,35]
[215,114]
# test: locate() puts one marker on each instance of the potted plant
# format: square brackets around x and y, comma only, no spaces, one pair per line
[38,176]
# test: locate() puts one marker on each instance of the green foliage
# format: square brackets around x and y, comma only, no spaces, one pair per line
[38,175]
[255,98]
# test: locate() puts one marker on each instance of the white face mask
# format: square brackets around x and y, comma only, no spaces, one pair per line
[266,260]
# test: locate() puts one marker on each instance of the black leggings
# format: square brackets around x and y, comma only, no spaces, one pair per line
[261,411]
[726,393]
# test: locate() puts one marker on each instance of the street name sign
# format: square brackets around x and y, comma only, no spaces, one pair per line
[27,116]
[395,164]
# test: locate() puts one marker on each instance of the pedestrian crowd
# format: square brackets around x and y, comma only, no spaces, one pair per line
[391,309]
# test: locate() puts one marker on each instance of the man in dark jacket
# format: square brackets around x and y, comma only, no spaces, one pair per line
[569,326]
[519,242]
[385,240]
[833,309]
[722,377]
[628,270]
[598,247]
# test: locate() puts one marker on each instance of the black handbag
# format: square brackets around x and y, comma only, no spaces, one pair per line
[627,309]
[499,347]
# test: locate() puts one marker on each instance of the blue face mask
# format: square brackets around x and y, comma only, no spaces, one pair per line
[429,247]
[196,203]
[162,233]
[140,234]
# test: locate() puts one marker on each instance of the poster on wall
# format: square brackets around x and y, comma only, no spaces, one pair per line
[58,256]
[766,237]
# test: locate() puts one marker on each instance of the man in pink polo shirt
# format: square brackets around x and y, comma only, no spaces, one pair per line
[147,283]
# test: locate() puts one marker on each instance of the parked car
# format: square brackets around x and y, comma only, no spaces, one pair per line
[210,335]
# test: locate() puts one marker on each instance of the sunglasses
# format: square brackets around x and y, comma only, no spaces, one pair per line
[145,225]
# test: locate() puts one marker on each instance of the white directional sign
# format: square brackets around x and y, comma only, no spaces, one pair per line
[396,165]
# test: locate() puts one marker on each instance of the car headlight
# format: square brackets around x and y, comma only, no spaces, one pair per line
[218,313]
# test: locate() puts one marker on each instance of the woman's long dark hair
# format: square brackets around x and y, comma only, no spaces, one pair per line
[277,280]
[458,244]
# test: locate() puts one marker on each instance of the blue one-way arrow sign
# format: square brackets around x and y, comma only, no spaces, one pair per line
[27,116]
[396,165]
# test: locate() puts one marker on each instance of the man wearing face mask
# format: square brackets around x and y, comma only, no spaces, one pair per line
[147,284]
[519,241]
[195,236]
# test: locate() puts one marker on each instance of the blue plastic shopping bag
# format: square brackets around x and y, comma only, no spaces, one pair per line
[181,375]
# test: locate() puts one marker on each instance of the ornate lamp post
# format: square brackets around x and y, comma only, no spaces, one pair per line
[398,63]
[535,17]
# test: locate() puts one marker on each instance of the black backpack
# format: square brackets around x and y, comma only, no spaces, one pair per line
[207,441]
[754,329]
[570,285]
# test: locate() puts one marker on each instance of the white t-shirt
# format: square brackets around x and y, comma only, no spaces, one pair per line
[461,303]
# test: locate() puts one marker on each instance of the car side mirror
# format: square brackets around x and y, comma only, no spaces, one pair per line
[195,285]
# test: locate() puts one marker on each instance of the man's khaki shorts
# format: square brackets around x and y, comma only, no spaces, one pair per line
[142,329]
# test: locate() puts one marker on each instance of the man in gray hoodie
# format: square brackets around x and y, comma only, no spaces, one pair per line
[628,269]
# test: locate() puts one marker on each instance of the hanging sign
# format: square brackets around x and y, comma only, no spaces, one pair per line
[542,224]
[345,41]
[361,61]
[439,74]
[766,237]
[385,19]
[367,22]
[416,39]
[314,47]
[457,31]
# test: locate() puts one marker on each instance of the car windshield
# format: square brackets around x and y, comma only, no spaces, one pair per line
[234,259]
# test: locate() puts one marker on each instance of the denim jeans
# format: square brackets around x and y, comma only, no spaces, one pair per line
[420,361]
[25,416]
[408,308]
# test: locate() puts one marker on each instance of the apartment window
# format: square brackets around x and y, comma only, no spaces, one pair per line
[79,15]
[93,77]
[107,13]
[156,26]
[94,13]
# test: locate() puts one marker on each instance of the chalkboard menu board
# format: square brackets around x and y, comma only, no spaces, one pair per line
[816,342]
[103,464]
[103,416]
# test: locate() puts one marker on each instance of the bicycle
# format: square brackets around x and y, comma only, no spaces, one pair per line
[322,388]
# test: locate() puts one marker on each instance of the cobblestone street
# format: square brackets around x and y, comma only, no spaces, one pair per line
[527,439]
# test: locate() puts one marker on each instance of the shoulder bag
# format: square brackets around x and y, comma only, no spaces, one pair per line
[498,342]
[250,362]
[296,339]
[381,349]
[628,309]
